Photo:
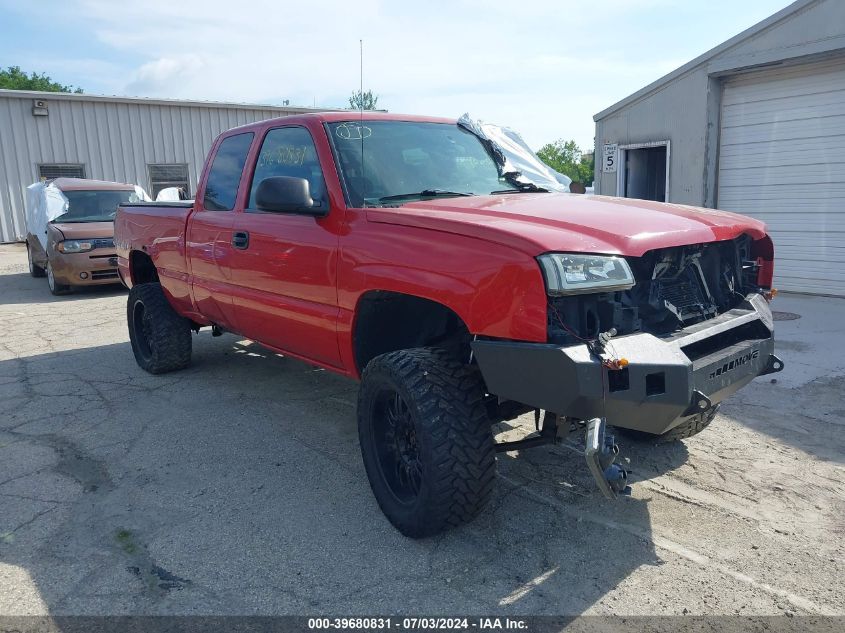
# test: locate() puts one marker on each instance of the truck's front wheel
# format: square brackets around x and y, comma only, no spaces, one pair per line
[426,440]
[161,339]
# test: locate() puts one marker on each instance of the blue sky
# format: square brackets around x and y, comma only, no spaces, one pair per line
[543,67]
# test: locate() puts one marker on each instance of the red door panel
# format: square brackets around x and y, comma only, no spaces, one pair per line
[209,231]
[209,248]
[285,283]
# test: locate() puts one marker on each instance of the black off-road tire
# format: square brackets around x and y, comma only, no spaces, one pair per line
[34,269]
[692,426]
[453,436]
[55,287]
[160,338]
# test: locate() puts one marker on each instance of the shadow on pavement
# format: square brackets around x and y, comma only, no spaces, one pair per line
[236,487]
[20,288]
[809,418]
[802,406]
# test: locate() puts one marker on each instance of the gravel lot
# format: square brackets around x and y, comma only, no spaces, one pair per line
[236,487]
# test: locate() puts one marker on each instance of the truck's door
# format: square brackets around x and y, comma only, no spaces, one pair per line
[284,266]
[209,230]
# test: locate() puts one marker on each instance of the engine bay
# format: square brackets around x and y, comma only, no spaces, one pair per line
[675,288]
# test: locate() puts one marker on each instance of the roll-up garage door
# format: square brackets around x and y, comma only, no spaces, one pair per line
[782,160]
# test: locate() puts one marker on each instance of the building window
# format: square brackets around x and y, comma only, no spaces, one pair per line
[166,176]
[60,170]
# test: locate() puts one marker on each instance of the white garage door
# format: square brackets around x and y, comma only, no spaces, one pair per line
[782,160]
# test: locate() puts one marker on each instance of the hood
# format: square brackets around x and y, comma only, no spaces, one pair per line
[541,222]
[84,230]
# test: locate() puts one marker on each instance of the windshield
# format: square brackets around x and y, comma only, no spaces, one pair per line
[401,158]
[94,206]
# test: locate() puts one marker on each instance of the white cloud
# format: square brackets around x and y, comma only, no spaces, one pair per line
[543,67]
[166,76]
[519,67]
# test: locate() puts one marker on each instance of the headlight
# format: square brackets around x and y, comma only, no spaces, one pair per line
[75,246]
[569,274]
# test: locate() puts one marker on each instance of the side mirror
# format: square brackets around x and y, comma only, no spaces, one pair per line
[577,187]
[286,194]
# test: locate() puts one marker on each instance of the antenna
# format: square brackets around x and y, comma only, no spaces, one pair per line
[361,116]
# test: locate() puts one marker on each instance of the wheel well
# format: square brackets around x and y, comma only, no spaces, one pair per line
[390,321]
[142,269]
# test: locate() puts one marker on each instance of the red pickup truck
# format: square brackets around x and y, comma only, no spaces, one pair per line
[403,252]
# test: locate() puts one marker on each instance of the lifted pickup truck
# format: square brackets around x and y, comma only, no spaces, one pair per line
[403,252]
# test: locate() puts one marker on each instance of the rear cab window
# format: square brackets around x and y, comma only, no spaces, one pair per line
[224,177]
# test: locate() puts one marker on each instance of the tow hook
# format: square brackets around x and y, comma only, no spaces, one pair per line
[773,365]
[600,452]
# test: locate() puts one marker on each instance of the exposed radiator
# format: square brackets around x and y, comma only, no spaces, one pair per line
[686,295]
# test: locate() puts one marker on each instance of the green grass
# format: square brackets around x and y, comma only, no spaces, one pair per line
[125,540]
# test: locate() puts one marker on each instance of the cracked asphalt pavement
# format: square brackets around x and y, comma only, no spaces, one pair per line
[236,487]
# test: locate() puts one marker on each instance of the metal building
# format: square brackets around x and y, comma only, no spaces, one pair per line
[154,143]
[756,126]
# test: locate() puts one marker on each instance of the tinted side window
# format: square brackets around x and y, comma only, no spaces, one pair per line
[289,151]
[221,188]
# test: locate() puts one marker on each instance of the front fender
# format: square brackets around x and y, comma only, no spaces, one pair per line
[496,291]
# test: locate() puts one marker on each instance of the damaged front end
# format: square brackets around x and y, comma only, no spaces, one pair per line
[677,331]
[674,288]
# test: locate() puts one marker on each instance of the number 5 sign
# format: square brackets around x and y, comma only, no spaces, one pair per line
[609,162]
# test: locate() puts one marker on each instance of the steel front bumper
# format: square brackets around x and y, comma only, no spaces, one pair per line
[668,378]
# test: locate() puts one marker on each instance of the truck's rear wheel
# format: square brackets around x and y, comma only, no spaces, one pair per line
[34,269]
[691,426]
[161,339]
[426,440]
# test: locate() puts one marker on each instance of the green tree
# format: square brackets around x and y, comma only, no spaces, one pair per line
[363,100]
[13,78]
[566,157]
[587,168]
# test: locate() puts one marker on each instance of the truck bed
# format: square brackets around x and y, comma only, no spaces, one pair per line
[157,229]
